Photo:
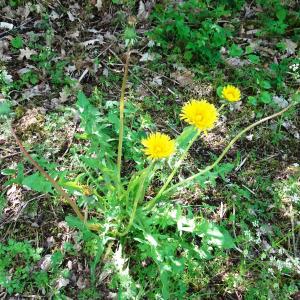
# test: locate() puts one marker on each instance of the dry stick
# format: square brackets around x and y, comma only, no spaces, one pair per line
[9,155]
[122,105]
[48,177]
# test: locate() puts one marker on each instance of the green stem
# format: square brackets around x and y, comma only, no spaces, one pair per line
[169,179]
[122,105]
[137,199]
[132,216]
[232,142]
[221,107]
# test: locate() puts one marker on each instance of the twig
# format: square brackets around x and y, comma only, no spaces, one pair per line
[249,189]
[103,51]
[48,177]
[83,74]
[241,164]
[3,222]
[10,155]
[122,105]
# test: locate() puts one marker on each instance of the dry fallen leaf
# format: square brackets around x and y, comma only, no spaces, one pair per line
[40,89]
[70,16]
[105,72]
[62,282]
[184,78]
[280,101]
[147,57]
[236,106]
[15,201]
[74,34]
[110,36]
[26,53]
[157,81]
[33,118]
[63,95]
[70,265]
[24,11]
[290,46]
[142,14]
[291,128]
[81,282]
[201,89]
[54,15]
[237,62]
[4,45]
[249,137]
[4,57]
[45,262]
[14,196]
[93,41]
[5,25]
[99,4]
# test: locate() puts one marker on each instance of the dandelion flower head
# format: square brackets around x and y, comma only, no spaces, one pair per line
[231,93]
[158,145]
[200,114]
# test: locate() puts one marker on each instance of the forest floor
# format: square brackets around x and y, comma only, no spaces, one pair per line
[51,50]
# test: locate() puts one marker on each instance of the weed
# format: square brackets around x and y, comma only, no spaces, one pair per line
[16,266]
[167,236]
[189,31]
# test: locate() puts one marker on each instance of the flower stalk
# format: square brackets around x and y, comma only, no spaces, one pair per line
[138,197]
[122,106]
[228,147]
[177,166]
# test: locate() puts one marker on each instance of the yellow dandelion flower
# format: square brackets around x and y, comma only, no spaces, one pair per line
[158,145]
[231,93]
[200,114]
